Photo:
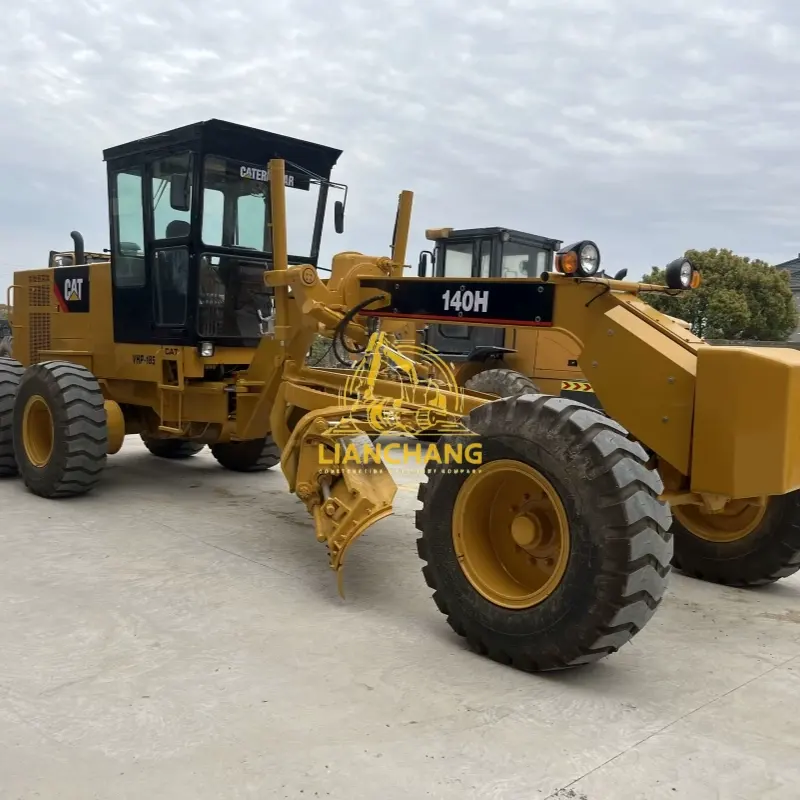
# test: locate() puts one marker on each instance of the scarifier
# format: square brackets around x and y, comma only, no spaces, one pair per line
[553,552]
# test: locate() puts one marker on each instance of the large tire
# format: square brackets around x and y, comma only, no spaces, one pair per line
[502,382]
[253,455]
[619,545]
[10,374]
[768,552]
[5,346]
[174,449]
[60,430]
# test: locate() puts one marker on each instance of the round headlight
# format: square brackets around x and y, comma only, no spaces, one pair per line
[581,258]
[589,257]
[680,274]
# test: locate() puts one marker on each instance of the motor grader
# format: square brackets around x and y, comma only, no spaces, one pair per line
[500,361]
[544,524]
[730,548]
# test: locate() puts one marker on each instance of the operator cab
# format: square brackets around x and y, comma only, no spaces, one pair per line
[481,253]
[191,230]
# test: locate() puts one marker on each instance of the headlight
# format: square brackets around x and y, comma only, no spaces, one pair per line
[681,274]
[581,258]
[589,257]
[63,261]
[206,349]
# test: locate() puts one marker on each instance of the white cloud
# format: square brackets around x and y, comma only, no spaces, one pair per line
[650,129]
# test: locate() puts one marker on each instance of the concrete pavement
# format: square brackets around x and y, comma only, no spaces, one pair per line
[177,634]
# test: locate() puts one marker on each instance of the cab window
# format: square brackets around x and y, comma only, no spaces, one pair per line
[458,260]
[522,260]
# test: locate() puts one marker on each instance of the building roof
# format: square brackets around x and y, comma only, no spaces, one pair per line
[793,268]
[793,262]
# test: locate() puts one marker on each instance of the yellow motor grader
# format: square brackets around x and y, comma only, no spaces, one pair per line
[504,361]
[544,524]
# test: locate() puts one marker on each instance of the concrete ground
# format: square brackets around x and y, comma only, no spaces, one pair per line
[177,634]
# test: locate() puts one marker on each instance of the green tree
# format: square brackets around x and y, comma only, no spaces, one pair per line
[738,298]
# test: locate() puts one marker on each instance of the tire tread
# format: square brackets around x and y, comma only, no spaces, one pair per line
[636,524]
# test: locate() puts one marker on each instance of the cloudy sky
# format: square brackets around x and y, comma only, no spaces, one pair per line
[648,127]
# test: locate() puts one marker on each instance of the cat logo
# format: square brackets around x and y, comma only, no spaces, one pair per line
[71,287]
[73,290]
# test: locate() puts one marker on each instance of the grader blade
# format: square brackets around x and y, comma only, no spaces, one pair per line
[344,496]
[356,501]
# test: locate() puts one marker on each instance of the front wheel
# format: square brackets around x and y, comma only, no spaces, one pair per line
[174,449]
[748,544]
[502,382]
[556,550]
[252,455]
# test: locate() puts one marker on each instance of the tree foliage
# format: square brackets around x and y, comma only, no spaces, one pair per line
[738,298]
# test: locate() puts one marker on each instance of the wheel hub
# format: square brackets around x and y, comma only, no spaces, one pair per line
[38,431]
[526,531]
[511,534]
[736,521]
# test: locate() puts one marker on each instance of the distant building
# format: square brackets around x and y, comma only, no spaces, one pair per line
[793,268]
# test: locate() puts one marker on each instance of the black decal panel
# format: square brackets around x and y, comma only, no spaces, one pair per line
[500,302]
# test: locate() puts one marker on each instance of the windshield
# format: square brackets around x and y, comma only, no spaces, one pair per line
[234,300]
[236,208]
[523,260]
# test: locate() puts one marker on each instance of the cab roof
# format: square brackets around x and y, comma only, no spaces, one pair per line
[231,140]
[456,234]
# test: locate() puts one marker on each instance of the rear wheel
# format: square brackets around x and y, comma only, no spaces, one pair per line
[748,544]
[502,382]
[252,455]
[60,431]
[175,449]
[554,552]
[10,374]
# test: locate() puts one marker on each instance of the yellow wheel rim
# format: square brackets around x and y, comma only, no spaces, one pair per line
[511,534]
[739,519]
[38,431]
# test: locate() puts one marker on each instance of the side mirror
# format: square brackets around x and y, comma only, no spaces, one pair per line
[621,275]
[179,196]
[338,216]
[424,258]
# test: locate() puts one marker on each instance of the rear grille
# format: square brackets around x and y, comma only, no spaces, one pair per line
[40,293]
[40,335]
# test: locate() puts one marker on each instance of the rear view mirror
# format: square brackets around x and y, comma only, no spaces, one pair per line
[338,216]
[425,258]
[179,197]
